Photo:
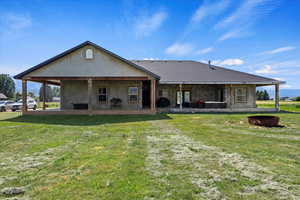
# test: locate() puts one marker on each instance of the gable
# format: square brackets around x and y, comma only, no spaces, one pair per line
[76,65]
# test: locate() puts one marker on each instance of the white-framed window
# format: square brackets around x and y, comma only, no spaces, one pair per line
[163,93]
[241,95]
[89,54]
[187,96]
[133,95]
[102,95]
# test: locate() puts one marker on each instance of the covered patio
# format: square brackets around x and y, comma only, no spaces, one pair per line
[89,102]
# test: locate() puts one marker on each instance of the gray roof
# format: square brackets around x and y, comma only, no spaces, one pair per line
[189,72]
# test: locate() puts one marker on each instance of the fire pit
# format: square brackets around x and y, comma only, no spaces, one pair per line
[268,121]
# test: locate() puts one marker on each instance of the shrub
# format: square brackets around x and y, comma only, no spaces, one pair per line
[163,102]
[297,98]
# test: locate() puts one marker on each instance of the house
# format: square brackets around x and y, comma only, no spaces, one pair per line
[3,97]
[94,80]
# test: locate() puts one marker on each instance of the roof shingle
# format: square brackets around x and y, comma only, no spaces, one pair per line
[172,71]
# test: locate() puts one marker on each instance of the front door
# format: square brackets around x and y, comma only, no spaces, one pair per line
[146,94]
[186,98]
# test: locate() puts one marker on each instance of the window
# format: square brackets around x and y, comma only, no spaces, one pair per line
[89,54]
[102,95]
[163,93]
[132,95]
[241,95]
[187,96]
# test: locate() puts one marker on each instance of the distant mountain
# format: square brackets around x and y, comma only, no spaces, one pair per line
[290,92]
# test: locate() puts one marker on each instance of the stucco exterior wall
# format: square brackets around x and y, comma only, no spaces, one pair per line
[75,91]
[230,96]
[75,65]
[198,92]
[212,93]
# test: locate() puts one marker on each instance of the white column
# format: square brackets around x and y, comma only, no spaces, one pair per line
[153,94]
[44,95]
[277,97]
[24,96]
[180,94]
[90,95]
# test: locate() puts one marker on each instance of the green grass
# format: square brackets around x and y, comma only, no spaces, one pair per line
[290,106]
[107,157]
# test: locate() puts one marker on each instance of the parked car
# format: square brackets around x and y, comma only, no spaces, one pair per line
[5,105]
[31,104]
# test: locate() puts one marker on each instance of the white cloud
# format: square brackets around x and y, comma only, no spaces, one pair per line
[150,59]
[229,62]
[179,49]
[147,25]
[205,51]
[279,79]
[285,86]
[209,9]
[280,50]
[15,22]
[235,33]
[248,12]
[246,15]
[267,69]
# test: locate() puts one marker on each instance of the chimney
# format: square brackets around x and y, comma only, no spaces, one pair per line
[210,66]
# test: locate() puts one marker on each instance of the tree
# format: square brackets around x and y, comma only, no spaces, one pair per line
[262,95]
[18,96]
[48,93]
[259,95]
[297,98]
[266,95]
[55,91]
[7,85]
[31,94]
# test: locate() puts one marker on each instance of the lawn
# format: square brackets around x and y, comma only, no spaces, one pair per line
[49,104]
[290,106]
[166,156]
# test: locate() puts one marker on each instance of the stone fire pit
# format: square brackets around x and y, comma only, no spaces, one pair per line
[268,121]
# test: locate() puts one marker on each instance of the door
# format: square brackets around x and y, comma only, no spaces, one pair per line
[186,98]
[146,94]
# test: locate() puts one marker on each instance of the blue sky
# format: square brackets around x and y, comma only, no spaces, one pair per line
[256,36]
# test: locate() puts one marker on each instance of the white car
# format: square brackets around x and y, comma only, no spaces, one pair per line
[31,104]
[5,105]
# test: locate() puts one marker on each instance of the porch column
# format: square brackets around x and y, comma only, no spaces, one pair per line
[153,94]
[180,98]
[90,89]
[44,95]
[277,97]
[24,96]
